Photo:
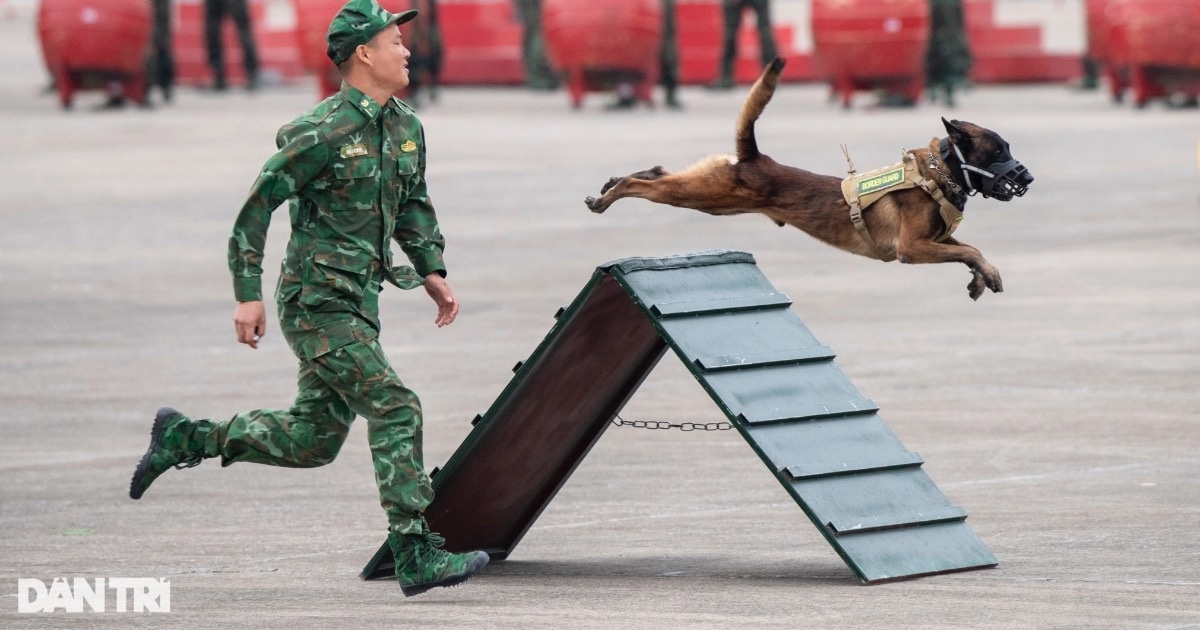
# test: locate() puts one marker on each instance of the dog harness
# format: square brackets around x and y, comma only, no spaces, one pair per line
[863,190]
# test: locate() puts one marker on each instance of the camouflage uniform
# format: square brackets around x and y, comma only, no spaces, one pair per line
[214,14]
[355,175]
[538,73]
[948,59]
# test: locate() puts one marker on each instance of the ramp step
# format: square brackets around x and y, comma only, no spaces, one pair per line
[864,524]
[829,469]
[811,412]
[721,305]
[760,359]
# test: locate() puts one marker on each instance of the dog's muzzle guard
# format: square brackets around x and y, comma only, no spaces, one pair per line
[1000,180]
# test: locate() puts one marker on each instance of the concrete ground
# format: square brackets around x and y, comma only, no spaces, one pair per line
[1063,414]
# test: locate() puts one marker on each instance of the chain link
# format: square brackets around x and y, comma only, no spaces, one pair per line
[663,424]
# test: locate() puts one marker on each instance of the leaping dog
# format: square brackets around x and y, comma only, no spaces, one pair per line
[904,212]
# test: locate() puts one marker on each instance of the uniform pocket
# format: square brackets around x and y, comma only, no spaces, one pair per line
[335,275]
[356,168]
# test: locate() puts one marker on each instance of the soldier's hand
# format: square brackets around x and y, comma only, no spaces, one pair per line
[436,287]
[250,321]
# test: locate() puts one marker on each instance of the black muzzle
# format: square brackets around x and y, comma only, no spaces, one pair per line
[1004,180]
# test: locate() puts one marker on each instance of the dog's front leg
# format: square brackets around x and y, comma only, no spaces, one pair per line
[950,250]
[615,188]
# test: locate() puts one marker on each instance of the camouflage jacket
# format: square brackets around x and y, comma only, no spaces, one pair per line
[354,173]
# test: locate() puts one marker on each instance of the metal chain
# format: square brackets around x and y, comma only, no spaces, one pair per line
[663,424]
[954,187]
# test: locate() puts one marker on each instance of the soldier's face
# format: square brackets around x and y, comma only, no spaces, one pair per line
[389,59]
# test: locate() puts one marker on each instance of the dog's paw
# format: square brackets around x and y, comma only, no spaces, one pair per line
[593,204]
[992,278]
[612,181]
[976,286]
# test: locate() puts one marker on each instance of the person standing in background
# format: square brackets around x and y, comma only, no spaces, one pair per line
[538,73]
[160,64]
[215,12]
[425,44]
[948,58]
[732,10]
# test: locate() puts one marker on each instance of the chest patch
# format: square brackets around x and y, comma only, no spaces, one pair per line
[409,146]
[352,150]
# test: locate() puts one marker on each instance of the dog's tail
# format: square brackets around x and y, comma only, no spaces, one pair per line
[760,95]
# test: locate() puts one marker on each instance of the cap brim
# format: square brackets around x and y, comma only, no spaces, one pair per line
[401,18]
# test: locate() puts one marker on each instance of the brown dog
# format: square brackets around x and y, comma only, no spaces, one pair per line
[908,225]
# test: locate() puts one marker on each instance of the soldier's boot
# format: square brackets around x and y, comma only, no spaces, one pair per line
[422,564]
[175,442]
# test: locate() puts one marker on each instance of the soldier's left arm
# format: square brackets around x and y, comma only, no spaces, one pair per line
[417,229]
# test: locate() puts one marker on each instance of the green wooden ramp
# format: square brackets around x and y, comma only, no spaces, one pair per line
[778,386]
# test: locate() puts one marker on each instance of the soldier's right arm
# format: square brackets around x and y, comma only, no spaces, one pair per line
[302,155]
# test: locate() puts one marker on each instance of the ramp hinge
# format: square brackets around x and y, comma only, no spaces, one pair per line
[517,367]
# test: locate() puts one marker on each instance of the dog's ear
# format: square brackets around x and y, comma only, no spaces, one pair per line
[958,135]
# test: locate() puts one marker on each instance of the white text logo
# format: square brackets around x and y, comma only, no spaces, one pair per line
[130,595]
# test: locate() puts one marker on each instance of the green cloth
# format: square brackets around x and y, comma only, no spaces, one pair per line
[355,175]
[354,172]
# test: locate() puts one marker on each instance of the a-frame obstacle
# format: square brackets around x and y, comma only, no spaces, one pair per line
[777,385]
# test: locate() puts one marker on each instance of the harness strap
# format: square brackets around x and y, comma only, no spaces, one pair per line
[951,215]
[850,192]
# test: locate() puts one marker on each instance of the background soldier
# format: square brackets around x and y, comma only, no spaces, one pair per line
[160,65]
[353,168]
[425,44]
[668,69]
[538,73]
[733,20]
[948,60]
[214,13]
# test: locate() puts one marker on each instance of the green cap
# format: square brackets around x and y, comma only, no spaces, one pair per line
[356,23]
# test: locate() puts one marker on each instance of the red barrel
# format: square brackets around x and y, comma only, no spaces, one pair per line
[312,23]
[870,44]
[90,43]
[1156,45]
[600,44]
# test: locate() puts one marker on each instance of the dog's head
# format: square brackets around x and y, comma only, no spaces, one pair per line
[986,163]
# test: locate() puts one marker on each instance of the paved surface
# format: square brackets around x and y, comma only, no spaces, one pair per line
[1062,414]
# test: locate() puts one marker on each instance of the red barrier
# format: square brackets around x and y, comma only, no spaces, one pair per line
[1155,45]
[89,43]
[599,44]
[868,44]
[1011,54]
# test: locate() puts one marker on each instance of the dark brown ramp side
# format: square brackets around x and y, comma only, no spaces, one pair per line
[822,440]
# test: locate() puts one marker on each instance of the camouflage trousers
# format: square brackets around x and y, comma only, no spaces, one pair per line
[336,384]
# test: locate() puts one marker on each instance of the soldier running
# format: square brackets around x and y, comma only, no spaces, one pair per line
[353,168]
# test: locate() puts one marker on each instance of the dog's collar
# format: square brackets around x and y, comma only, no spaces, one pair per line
[957,195]
[966,168]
